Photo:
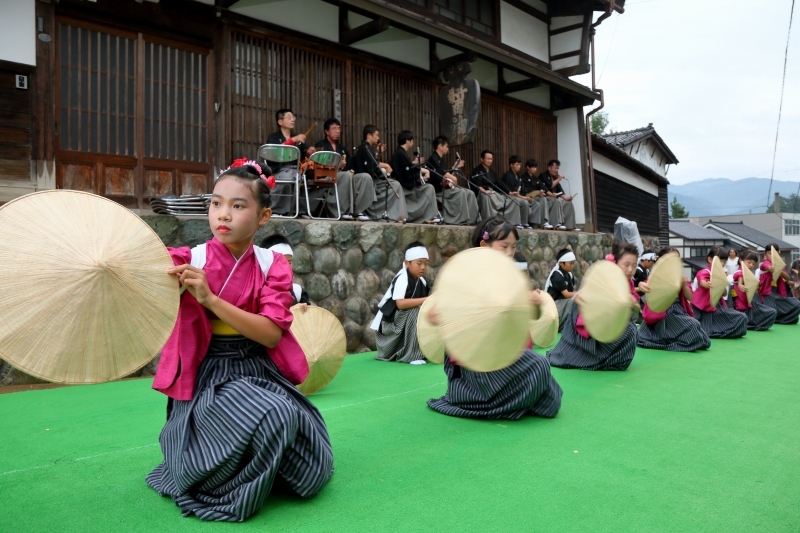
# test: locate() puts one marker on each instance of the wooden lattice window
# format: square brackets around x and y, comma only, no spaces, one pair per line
[476,14]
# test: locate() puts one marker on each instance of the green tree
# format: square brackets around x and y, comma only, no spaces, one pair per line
[677,210]
[788,205]
[599,122]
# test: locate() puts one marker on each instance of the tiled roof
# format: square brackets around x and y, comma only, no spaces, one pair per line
[621,139]
[750,234]
[691,231]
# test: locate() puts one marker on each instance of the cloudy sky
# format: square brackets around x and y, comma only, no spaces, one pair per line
[707,74]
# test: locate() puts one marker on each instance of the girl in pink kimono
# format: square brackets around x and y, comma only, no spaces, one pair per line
[760,317]
[235,420]
[718,322]
[775,294]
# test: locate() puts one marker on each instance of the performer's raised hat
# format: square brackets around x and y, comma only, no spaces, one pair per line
[605,301]
[719,281]
[777,264]
[543,326]
[665,282]
[430,341]
[750,283]
[322,338]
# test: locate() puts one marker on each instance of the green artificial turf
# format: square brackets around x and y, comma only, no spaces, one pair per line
[680,442]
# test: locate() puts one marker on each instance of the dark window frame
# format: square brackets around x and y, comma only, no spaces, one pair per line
[428,8]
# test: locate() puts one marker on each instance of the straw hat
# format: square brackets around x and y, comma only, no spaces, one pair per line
[430,342]
[719,281]
[777,264]
[85,297]
[666,282]
[750,283]
[483,307]
[322,339]
[543,327]
[605,301]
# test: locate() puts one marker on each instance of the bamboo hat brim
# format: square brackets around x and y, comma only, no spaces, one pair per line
[750,283]
[777,265]
[666,282]
[430,341]
[605,301]
[483,307]
[322,338]
[719,281]
[86,296]
[543,327]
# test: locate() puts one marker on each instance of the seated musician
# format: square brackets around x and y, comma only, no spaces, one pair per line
[511,184]
[356,191]
[491,199]
[533,188]
[458,204]
[389,201]
[565,211]
[282,194]
[420,195]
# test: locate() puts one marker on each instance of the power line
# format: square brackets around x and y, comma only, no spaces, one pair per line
[608,54]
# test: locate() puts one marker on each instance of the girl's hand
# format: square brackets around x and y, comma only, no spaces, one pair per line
[195,282]
[535,297]
[704,284]
[301,307]
[644,287]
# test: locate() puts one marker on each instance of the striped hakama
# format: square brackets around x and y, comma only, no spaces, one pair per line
[760,317]
[245,425]
[677,332]
[788,309]
[574,351]
[397,341]
[724,323]
[525,388]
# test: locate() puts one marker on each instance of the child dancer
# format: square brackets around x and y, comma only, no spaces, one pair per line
[643,269]
[560,284]
[760,317]
[525,388]
[395,324]
[235,419]
[718,322]
[775,293]
[675,329]
[577,349]
[280,244]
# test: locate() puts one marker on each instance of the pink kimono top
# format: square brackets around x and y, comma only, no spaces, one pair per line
[765,282]
[740,302]
[650,317]
[246,287]
[579,324]
[702,297]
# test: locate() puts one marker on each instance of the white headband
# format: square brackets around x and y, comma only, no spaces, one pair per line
[281,248]
[522,266]
[417,252]
[567,257]
[648,257]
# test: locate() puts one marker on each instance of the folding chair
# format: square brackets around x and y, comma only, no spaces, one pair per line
[280,155]
[326,169]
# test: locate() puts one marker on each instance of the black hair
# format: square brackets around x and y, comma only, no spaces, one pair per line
[439,141]
[280,113]
[498,229]
[553,162]
[667,250]
[485,152]
[330,122]
[413,245]
[249,175]
[561,253]
[404,136]
[514,159]
[532,163]
[272,240]
[734,250]
[622,248]
[716,251]
[369,129]
[519,258]
[749,256]
[772,246]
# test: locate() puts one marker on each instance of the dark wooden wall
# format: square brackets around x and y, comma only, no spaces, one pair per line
[663,216]
[15,125]
[618,199]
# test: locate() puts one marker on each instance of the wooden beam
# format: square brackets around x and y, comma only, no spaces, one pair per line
[224,4]
[565,29]
[530,10]
[565,55]
[515,86]
[364,31]
[444,64]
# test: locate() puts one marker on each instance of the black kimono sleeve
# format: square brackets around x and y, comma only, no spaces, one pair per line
[403,169]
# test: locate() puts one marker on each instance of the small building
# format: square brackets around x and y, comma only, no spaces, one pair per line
[630,177]
[743,236]
[693,242]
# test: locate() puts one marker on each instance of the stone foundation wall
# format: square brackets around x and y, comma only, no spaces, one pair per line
[346,266]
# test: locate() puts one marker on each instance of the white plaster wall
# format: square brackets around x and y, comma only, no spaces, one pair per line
[560,22]
[537,4]
[443,51]
[568,41]
[569,153]
[540,96]
[615,170]
[399,45]
[18,31]
[313,17]
[565,63]
[486,74]
[645,149]
[524,32]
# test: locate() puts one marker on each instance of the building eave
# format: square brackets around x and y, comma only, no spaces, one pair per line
[616,154]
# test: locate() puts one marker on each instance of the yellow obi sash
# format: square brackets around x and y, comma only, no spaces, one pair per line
[218,327]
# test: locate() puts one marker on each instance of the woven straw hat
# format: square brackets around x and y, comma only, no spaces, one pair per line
[543,327]
[430,341]
[750,283]
[719,281]
[86,296]
[322,339]
[483,307]
[666,282]
[605,301]
[777,264]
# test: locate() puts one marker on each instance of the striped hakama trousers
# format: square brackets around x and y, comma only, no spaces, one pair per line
[677,332]
[525,388]
[724,323]
[573,351]
[245,425]
[788,308]
[760,317]
[397,341]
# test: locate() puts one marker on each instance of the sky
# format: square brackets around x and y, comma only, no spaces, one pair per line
[707,74]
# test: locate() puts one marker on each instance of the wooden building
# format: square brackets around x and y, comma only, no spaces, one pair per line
[132,99]
[693,243]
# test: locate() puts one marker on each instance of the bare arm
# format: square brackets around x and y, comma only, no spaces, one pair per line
[408,303]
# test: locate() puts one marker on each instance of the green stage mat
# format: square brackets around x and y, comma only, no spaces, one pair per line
[680,442]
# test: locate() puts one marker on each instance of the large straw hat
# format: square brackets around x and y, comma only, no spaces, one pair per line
[483,307]
[323,341]
[719,281]
[666,282]
[605,301]
[430,341]
[777,264]
[85,297]
[543,326]
[750,283]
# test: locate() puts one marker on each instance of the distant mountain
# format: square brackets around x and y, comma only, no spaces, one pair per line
[721,196]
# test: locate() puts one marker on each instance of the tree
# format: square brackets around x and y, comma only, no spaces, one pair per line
[788,205]
[677,210]
[599,122]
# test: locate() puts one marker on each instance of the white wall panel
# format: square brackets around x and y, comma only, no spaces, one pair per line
[615,170]
[18,31]
[524,32]
[313,17]
[569,153]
